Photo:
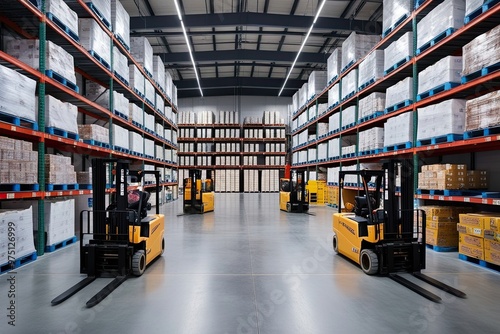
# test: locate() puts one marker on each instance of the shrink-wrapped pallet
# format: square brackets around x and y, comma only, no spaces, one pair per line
[371,139]
[120,64]
[316,83]
[482,51]
[446,70]
[17,96]
[93,132]
[334,95]
[394,11]
[303,94]
[334,122]
[482,112]
[371,68]
[149,122]
[120,137]
[61,115]
[348,116]
[120,19]
[21,222]
[141,50]
[63,13]
[136,114]
[100,95]
[399,129]
[168,84]
[160,103]
[373,103]
[136,79]
[356,46]
[400,92]
[93,38]
[174,94]
[149,91]
[159,72]
[350,84]
[447,117]
[399,50]
[333,64]
[18,162]
[136,142]
[59,220]
[103,7]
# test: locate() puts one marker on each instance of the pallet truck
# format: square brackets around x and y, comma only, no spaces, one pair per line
[121,240]
[198,194]
[384,234]
[293,194]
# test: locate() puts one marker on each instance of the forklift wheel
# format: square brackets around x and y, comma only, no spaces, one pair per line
[288,207]
[335,244]
[162,246]
[368,261]
[138,263]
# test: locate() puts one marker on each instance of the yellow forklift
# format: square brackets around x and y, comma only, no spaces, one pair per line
[198,194]
[383,233]
[293,194]
[121,240]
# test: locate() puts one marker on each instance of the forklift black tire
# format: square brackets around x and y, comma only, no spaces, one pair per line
[335,244]
[288,207]
[162,246]
[368,261]
[138,263]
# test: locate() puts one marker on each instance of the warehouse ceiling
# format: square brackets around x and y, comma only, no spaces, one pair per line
[246,47]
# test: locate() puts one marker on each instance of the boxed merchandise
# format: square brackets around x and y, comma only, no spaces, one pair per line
[477,179]
[174,94]
[373,103]
[333,64]
[120,64]
[120,137]
[394,11]
[446,70]
[94,132]
[371,139]
[159,103]
[18,162]
[168,84]
[478,220]
[334,122]
[471,251]
[59,220]
[482,112]
[136,79]
[136,114]
[447,117]
[312,155]
[103,7]
[84,177]
[149,147]
[322,151]
[399,129]
[399,50]
[400,92]
[24,243]
[149,91]
[149,122]
[295,102]
[467,230]
[57,59]
[136,142]
[492,251]
[61,115]
[159,72]
[100,95]
[356,46]
[141,50]
[59,170]
[470,240]
[350,84]
[442,214]
[120,20]
[348,116]
[316,83]
[303,94]
[448,14]
[371,68]
[17,96]
[94,38]
[482,51]
[441,237]
[441,177]
[472,5]
[60,10]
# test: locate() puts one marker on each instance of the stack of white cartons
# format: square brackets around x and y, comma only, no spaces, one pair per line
[150,177]
[323,129]
[399,50]
[93,38]
[20,221]
[371,68]
[399,129]
[482,112]
[63,13]
[273,117]
[94,132]
[136,142]
[149,92]
[141,50]
[18,162]
[136,79]
[120,19]
[394,11]
[332,175]
[136,114]
[333,64]
[303,156]
[482,51]
[312,155]
[323,151]
[228,117]
[295,102]
[167,134]
[302,119]
[295,158]
[448,14]
[205,117]
[348,145]
[357,46]
[303,137]
[174,94]
[334,122]
[334,95]
[446,70]
[400,92]
[373,103]
[59,170]
[447,117]
[168,84]
[104,9]
[350,178]
[100,95]
[120,137]
[349,116]
[57,59]
[17,96]
[149,148]
[159,130]
[311,113]
[159,72]
[251,178]
[350,84]
[174,137]
[371,139]
[170,115]
[316,83]
[120,64]
[159,103]
[60,115]
[322,108]
[334,148]
[170,156]
[186,117]
[149,122]
[303,94]
[472,5]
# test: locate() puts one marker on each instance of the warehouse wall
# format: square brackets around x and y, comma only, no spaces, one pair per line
[247,106]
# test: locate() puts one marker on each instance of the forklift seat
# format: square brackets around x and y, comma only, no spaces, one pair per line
[134,197]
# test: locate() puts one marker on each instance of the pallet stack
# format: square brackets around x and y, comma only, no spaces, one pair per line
[441,226]
[17,223]
[471,229]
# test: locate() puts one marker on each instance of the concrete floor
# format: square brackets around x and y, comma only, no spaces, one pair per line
[249,268]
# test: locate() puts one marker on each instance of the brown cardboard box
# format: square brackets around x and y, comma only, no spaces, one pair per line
[492,235]
[470,240]
[442,225]
[492,245]
[476,219]
[473,231]
[471,251]
[492,256]
[492,224]
[441,238]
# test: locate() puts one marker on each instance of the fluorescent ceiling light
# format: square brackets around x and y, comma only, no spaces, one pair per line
[188,45]
[302,45]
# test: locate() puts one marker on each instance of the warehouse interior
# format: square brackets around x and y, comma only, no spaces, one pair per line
[234,166]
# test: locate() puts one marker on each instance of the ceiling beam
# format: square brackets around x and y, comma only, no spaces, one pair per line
[252,19]
[187,66]
[213,32]
[235,91]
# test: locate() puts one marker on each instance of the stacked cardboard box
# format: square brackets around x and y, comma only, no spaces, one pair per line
[84,177]
[441,225]
[94,38]
[135,113]
[334,95]
[120,136]
[371,139]
[482,51]
[120,64]
[398,50]
[393,11]
[141,50]
[372,67]
[168,84]
[356,46]
[59,170]
[477,179]
[303,94]
[94,132]
[492,240]
[350,83]
[149,122]
[136,79]
[334,122]
[400,92]
[371,104]
[63,13]
[227,117]
[149,147]
[333,64]
[18,162]
[21,221]
[159,71]
[120,19]
[136,142]
[317,82]
[446,70]
[447,117]
[17,96]
[149,91]
[399,129]
[348,116]
[104,8]
[61,115]
[159,103]
[251,180]
[471,229]
[273,117]
[482,112]
[334,148]
[443,176]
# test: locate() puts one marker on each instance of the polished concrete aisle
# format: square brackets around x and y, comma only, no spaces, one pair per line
[249,268]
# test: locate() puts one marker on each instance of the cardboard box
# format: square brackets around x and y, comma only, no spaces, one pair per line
[492,235]
[441,238]
[470,230]
[478,220]
[492,245]
[492,256]
[470,240]
[471,251]
[441,225]
[492,224]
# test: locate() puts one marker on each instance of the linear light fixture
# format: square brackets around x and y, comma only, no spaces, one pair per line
[302,45]
[188,44]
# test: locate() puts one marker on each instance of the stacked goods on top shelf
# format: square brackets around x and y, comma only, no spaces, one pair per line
[136,80]
[20,221]
[394,12]
[451,177]
[399,95]
[273,117]
[349,84]
[103,9]
[100,95]
[303,95]
[205,117]
[168,84]
[227,117]
[60,115]
[59,10]
[443,75]
[120,19]
[93,133]
[59,220]
[149,122]
[149,92]
[471,233]
[398,52]
[120,65]
[316,83]
[142,52]
[482,52]
[120,138]
[355,47]
[348,117]
[398,131]
[334,95]
[17,96]
[371,139]
[372,105]
[371,68]
[482,112]
[136,143]
[442,119]
[59,170]
[18,162]
[159,72]
[136,115]
[333,64]
[94,39]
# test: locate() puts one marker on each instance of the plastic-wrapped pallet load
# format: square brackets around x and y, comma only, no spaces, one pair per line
[312,155]
[56,58]
[17,96]
[334,95]
[399,93]
[446,70]
[169,114]
[322,108]
[159,130]
[135,114]
[159,103]
[295,102]
[59,170]
[322,129]
[334,122]
[482,112]
[61,11]
[482,51]
[168,84]
[447,15]
[120,19]
[371,68]
[149,122]
[333,64]
[120,137]
[136,142]
[398,51]
[159,72]
[334,148]
[322,151]
[21,221]
[94,132]
[93,38]
[174,94]
[149,91]
[136,79]
[149,147]
[18,162]
[142,52]
[348,116]
[100,95]
[472,5]
[120,64]
[356,46]
[447,117]
[103,7]
[371,139]
[349,84]
[316,83]
[399,129]
[394,12]
[303,94]
[60,115]
[373,103]
[159,153]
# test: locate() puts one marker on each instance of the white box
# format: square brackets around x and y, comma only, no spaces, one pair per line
[394,11]
[400,92]
[350,84]
[316,83]
[399,129]
[399,50]
[61,115]
[94,38]
[120,64]
[333,64]
[136,79]
[120,19]
[356,46]
[447,117]
[371,68]
[371,104]
[63,13]
[17,96]
[141,50]
[446,70]
[334,95]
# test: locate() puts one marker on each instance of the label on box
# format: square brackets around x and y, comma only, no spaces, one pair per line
[473,231]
